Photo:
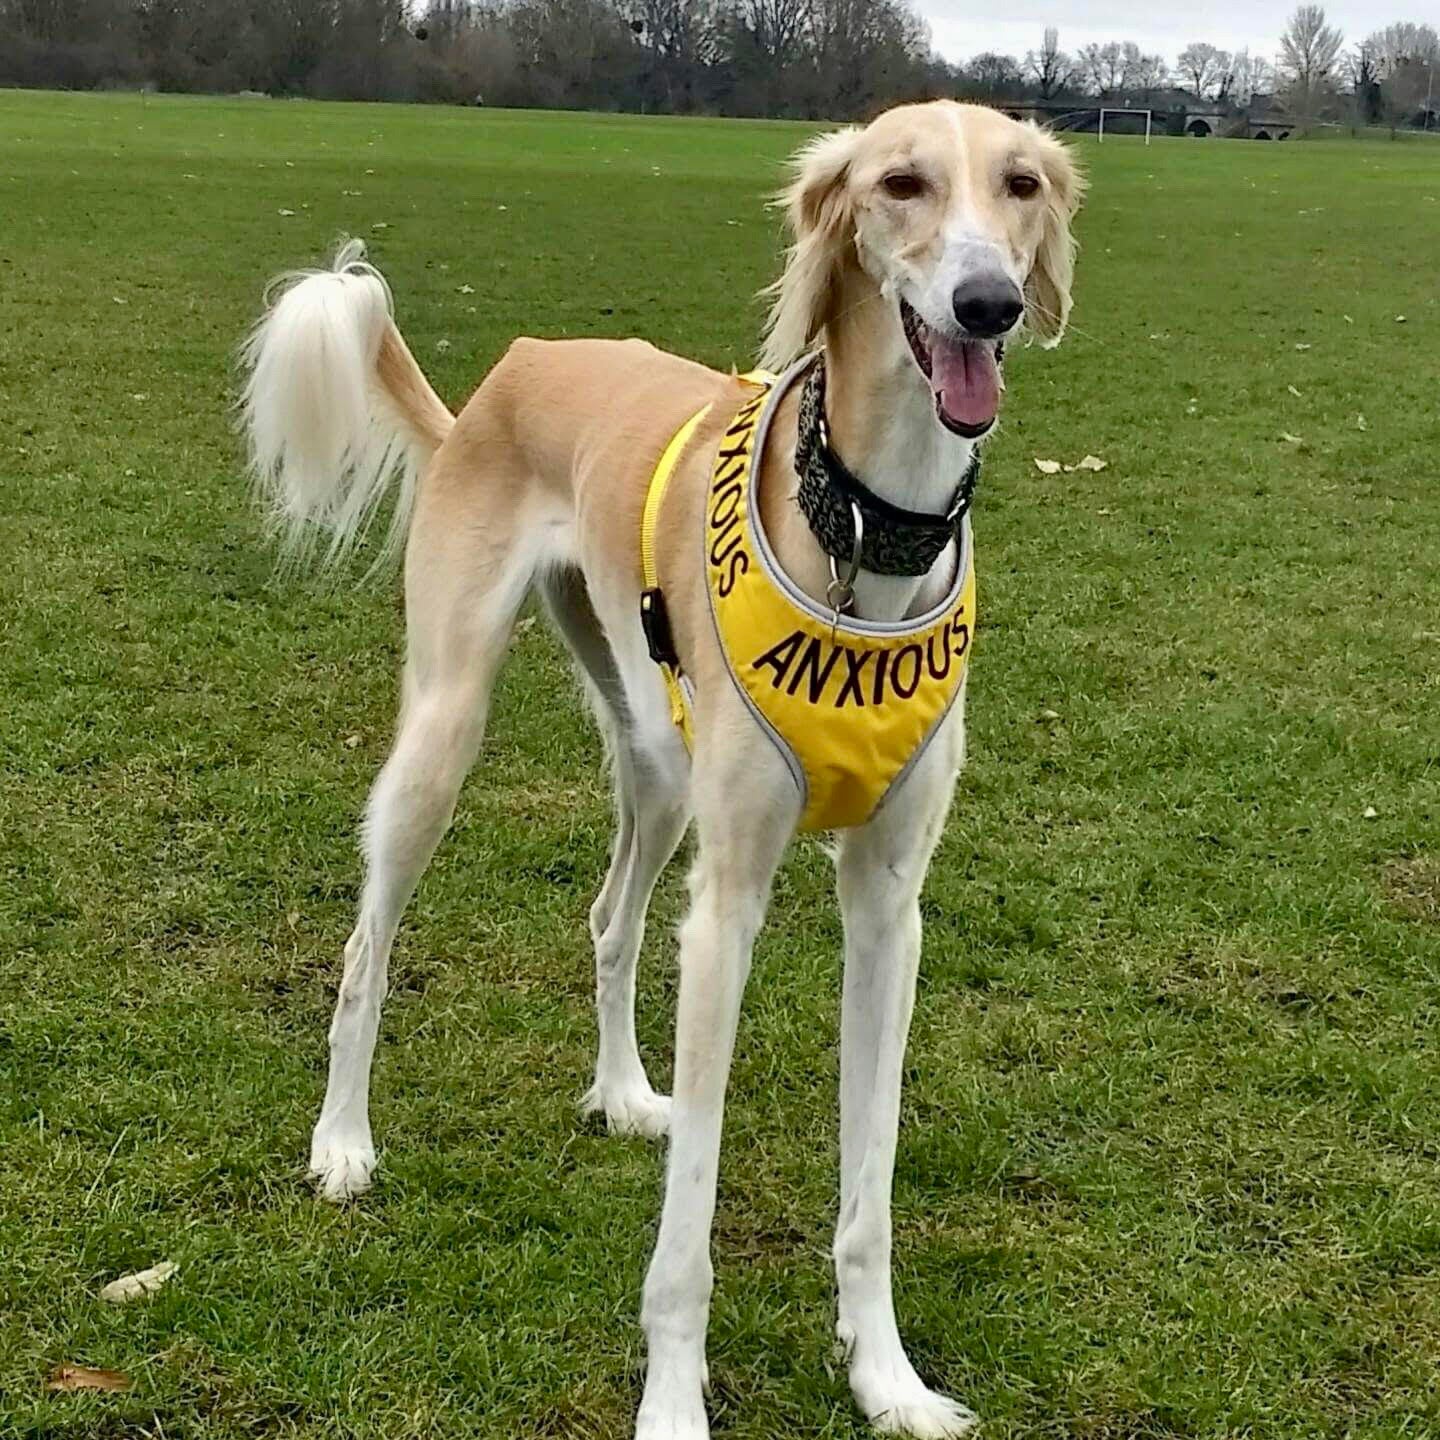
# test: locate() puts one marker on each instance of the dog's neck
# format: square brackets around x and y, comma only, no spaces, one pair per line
[881,414]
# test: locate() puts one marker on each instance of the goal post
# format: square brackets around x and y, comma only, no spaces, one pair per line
[1122,110]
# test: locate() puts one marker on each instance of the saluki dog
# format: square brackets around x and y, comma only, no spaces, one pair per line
[766,582]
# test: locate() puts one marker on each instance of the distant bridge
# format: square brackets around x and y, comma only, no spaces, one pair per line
[1200,121]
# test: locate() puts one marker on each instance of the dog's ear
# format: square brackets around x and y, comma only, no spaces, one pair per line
[1047,289]
[822,224]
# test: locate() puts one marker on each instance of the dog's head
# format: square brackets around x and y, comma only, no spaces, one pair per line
[960,216]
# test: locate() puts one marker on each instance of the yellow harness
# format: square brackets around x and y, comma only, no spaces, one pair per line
[850,704]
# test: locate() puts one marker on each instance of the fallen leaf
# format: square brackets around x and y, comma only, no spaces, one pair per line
[1290,439]
[502,207]
[1348,319]
[442,345]
[1294,392]
[1091,462]
[381,225]
[1049,716]
[351,742]
[1360,423]
[1371,813]
[1105,511]
[1047,467]
[1399,319]
[82,1377]
[284,212]
[119,300]
[467,290]
[1302,347]
[142,1282]
[140,395]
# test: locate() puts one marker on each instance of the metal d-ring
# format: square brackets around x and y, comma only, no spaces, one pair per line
[840,594]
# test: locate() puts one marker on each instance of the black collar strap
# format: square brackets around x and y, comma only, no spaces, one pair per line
[894,541]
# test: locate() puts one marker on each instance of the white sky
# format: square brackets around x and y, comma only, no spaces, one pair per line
[961,28]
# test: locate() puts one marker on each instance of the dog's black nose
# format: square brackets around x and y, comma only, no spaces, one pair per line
[988,306]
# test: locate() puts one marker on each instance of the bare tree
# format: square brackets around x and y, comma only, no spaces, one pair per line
[1402,42]
[992,76]
[1103,66]
[1204,68]
[1142,74]
[1049,68]
[1309,49]
[1402,61]
[778,26]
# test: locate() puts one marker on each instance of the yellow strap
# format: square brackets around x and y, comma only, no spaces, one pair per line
[649,522]
[658,483]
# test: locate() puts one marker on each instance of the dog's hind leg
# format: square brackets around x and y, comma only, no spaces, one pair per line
[651,818]
[881,868]
[464,586]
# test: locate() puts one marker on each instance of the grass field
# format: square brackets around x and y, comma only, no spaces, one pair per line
[1168,1163]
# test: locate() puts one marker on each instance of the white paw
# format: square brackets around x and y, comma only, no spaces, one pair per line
[341,1169]
[901,1404]
[667,1414]
[629,1110]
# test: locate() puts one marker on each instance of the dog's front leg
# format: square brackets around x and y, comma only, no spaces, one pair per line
[880,871]
[730,884]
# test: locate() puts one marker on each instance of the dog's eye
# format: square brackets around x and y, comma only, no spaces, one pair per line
[903,186]
[1023,187]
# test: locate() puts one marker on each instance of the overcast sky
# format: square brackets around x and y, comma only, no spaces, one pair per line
[962,28]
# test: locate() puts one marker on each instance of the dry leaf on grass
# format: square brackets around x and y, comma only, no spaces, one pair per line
[142,1282]
[82,1377]
[1361,423]
[1371,813]
[1091,462]
[1047,467]
[1290,439]
[1302,347]
[1294,392]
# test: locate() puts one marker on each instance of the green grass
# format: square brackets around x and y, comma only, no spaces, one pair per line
[1168,1164]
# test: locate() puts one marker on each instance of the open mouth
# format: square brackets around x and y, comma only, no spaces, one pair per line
[964,374]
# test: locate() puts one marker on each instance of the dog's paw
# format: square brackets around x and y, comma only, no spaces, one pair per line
[897,1402]
[631,1110]
[341,1169]
[926,1415]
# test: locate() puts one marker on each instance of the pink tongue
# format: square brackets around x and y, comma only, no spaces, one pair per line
[967,381]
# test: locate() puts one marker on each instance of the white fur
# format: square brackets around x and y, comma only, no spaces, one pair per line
[325,443]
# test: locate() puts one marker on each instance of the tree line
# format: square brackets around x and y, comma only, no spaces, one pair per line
[831,58]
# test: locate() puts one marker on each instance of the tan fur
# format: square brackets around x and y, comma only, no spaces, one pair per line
[404,382]
[541,481]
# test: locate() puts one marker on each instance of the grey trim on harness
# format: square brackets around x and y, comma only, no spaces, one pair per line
[855,627]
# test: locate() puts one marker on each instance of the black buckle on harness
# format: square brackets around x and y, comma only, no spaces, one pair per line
[655,621]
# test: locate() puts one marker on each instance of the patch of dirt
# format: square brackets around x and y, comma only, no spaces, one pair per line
[1412,886]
